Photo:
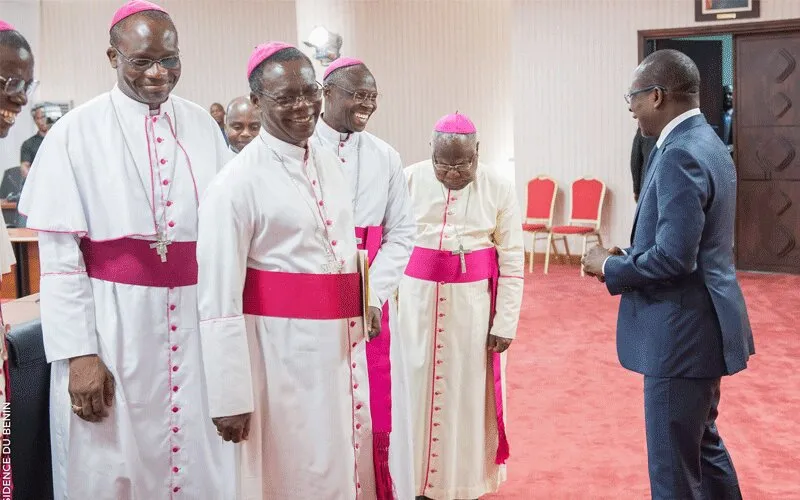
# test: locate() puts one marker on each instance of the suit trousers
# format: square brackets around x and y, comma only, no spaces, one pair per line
[686,457]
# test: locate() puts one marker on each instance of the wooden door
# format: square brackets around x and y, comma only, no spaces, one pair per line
[707,55]
[767,141]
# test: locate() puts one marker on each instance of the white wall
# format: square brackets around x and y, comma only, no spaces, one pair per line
[572,63]
[543,79]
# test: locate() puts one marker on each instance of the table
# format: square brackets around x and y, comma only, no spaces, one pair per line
[26,249]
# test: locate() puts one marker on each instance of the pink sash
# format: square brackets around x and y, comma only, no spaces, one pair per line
[444,267]
[132,262]
[379,369]
[324,296]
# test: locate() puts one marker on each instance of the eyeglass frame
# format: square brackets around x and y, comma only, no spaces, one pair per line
[28,87]
[295,99]
[370,96]
[459,167]
[629,96]
[151,62]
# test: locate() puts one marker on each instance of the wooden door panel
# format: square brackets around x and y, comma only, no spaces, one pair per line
[769,153]
[767,239]
[767,139]
[770,65]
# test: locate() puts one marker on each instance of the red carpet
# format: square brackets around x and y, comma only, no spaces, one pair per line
[576,416]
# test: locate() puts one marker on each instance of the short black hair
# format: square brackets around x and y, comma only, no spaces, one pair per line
[673,70]
[283,55]
[115,34]
[14,40]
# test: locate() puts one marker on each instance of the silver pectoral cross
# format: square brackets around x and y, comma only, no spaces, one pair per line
[461,252]
[160,245]
[359,240]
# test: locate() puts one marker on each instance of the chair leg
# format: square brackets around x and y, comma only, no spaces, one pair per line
[583,273]
[600,239]
[550,243]
[533,249]
[566,247]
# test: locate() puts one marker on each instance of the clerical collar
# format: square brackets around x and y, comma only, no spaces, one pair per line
[281,147]
[126,104]
[330,133]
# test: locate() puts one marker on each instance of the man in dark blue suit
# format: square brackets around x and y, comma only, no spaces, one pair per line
[682,318]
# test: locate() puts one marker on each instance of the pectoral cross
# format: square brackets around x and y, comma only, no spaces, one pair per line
[160,245]
[359,240]
[461,252]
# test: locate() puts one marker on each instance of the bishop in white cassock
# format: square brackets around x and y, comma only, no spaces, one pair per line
[459,306]
[280,299]
[114,193]
[385,228]
[16,68]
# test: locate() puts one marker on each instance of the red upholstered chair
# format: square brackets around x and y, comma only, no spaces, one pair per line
[586,206]
[542,191]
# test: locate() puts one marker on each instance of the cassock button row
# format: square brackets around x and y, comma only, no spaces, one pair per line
[353,323]
[175,409]
[358,426]
[155,119]
[321,203]
[174,348]
[343,160]
[174,368]
[175,469]
[175,449]
[171,224]
[176,489]
[163,161]
[314,182]
[169,203]
[174,327]
[175,429]
[175,388]
[159,139]
[354,365]
[172,307]
[165,182]
[358,406]
[355,386]
[329,222]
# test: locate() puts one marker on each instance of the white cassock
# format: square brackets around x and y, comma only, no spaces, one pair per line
[108,173]
[281,214]
[452,374]
[7,259]
[380,199]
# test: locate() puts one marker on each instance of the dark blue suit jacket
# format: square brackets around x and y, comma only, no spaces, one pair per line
[682,313]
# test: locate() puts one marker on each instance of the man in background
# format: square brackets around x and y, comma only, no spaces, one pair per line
[727,116]
[218,113]
[242,123]
[640,153]
[31,145]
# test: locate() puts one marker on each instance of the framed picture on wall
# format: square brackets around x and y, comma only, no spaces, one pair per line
[719,10]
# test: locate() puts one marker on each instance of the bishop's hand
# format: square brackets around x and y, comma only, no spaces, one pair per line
[498,344]
[91,387]
[235,428]
[374,321]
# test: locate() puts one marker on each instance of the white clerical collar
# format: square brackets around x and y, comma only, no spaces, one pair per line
[281,147]
[126,104]
[674,123]
[331,134]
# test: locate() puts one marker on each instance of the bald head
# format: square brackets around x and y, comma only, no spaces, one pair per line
[674,71]
[242,122]
[665,85]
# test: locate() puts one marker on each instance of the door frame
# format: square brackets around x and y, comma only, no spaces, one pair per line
[735,29]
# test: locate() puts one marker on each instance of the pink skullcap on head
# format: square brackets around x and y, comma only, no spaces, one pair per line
[4,26]
[263,52]
[342,62]
[133,7]
[455,124]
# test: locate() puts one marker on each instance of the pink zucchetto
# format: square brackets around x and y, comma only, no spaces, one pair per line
[263,52]
[134,7]
[4,26]
[342,62]
[455,123]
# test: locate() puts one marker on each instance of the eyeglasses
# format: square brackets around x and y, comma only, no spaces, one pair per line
[13,86]
[359,96]
[459,167]
[141,64]
[286,101]
[651,88]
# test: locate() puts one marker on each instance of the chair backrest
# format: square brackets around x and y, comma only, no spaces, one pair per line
[542,191]
[586,201]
